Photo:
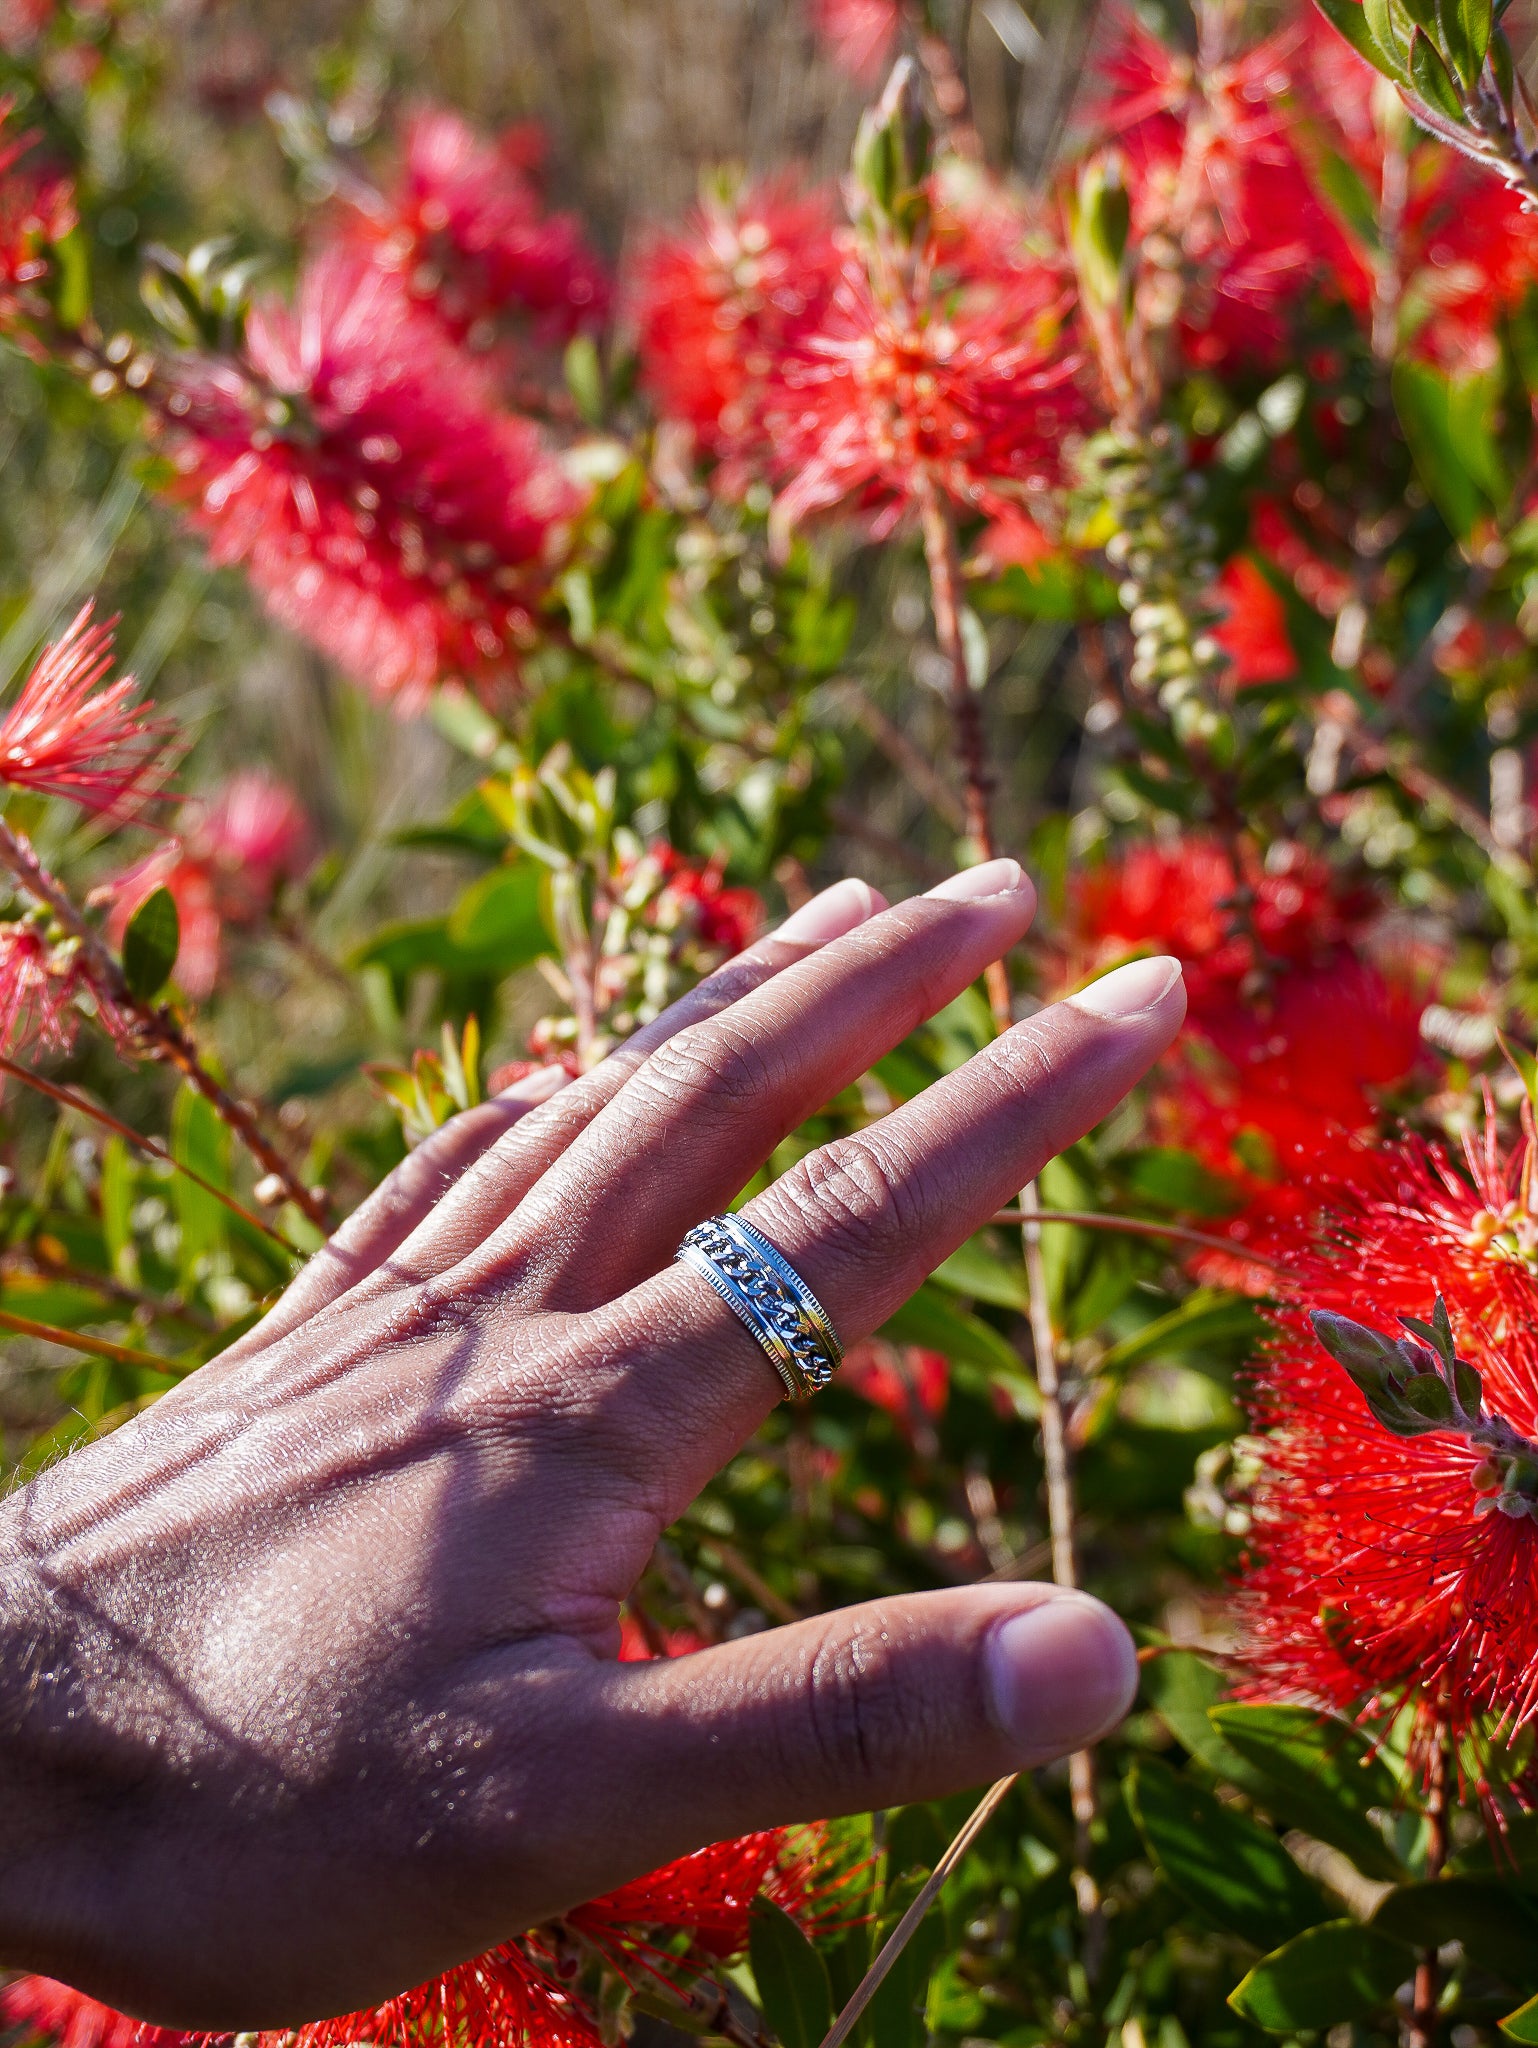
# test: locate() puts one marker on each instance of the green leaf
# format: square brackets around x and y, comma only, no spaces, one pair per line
[791,1976]
[1522,2025]
[1496,1923]
[1351,19]
[1448,422]
[1327,1977]
[980,1270]
[1228,1867]
[1170,1179]
[199,1140]
[895,2016]
[1431,81]
[1183,1689]
[498,917]
[150,945]
[1379,16]
[1324,1778]
[1466,26]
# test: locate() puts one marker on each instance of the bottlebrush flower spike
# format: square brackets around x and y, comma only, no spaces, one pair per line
[38,985]
[35,212]
[1393,1546]
[1224,913]
[72,2020]
[1218,178]
[718,307]
[959,380]
[466,229]
[227,858]
[382,504]
[859,35]
[66,736]
[1253,629]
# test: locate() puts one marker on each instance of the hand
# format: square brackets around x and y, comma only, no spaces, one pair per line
[308,1678]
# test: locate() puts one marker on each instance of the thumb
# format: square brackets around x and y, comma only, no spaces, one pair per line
[877,1705]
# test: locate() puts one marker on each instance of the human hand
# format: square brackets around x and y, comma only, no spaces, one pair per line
[308,1677]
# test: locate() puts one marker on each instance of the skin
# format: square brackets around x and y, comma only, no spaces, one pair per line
[308,1676]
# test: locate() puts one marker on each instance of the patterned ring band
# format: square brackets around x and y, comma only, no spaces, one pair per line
[766,1293]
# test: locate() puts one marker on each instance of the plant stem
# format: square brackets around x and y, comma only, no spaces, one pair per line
[902,1933]
[1144,1226]
[944,563]
[1083,1792]
[154,1028]
[1422,2027]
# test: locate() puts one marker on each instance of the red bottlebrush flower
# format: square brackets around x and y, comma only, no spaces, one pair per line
[1464,250]
[66,736]
[1320,583]
[38,986]
[502,1997]
[1298,1088]
[1253,631]
[466,230]
[693,898]
[859,35]
[71,2020]
[1226,916]
[910,1383]
[1216,170]
[718,307]
[707,1895]
[35,212]
[1379,1573]
[393,515]
[222,868]
[961,385]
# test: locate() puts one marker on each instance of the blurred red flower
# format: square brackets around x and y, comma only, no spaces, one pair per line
[383,505]
[66,736]
[466,229]
[1217,176]
[910,1383]
[229,855]
[718,306]
[1375,1576]
[859,35]
[38,985]
[694,899]
[35,212]
[1461,250]
[1253,629]
[1229,918]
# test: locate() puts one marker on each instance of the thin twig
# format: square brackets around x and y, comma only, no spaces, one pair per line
[97,1347]
[154,1028]
[1427,1986]
[902,1933]
[1142,1226]
[155,1149]
[909,760]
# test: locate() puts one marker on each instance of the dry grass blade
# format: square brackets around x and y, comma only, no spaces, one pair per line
[903,1932]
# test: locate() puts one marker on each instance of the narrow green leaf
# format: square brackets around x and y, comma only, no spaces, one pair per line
[933,1318]
[1327,1977]
[791,1976]
[200,1142]
[1228,1867]
[1522,2025]
[1448,423]
[1325,1778]
[1379,15]
[1430,77]
[1351,19]
[1466,26]
[150,945]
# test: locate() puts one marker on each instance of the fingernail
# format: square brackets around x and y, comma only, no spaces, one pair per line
[536,1087]
[989,878]
[830,915]
[1059,1675]
[1128,991]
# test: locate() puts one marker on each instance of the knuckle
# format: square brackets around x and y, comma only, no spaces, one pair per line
[1024,1056]
[857,1719]
[717,1063]
[863,1184]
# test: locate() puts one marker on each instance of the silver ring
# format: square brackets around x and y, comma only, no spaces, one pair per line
[769,1297]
